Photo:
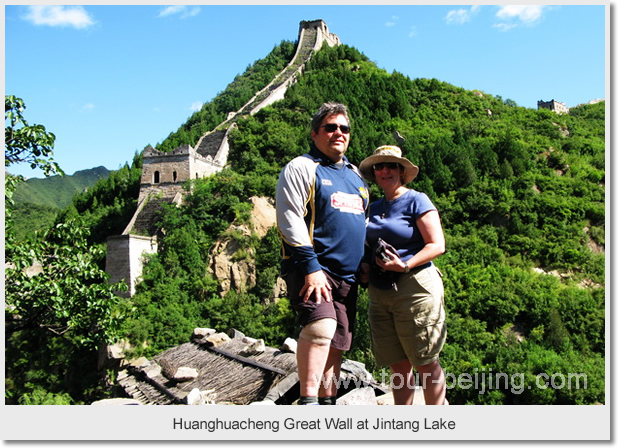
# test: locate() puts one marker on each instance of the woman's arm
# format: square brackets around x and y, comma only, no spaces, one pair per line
[431,229]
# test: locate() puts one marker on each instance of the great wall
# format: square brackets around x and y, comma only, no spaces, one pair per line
[164,173]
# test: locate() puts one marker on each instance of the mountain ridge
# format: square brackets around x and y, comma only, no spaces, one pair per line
[58,191]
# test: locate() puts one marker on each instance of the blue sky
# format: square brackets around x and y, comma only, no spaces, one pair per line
[109,80]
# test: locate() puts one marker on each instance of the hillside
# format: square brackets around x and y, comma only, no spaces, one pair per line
[38,201]
[521,193]
[58,191]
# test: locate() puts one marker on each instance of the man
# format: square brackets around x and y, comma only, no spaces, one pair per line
[321,204]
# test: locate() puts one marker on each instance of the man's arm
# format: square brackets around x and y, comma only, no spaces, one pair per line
[294,191]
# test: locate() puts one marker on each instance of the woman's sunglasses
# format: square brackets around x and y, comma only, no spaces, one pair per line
[332,127]
[389,165]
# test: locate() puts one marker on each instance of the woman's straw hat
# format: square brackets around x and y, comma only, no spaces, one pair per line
[388,154]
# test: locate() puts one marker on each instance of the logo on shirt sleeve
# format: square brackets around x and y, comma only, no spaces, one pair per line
[347,203]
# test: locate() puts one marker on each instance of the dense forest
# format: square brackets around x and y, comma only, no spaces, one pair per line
[521,194]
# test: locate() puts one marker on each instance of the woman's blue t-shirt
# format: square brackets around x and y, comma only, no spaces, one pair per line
[395,222]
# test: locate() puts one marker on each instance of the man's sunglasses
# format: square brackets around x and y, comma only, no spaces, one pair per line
[332,127]
[389,165]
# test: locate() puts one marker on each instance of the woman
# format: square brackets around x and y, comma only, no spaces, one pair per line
[406,310]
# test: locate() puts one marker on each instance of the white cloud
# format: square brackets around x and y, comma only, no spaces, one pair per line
[392,22]
[170,10]
[88,107]
[196,106]
[413,32]
[461,16]
[504,26]
[527,15]
[183,10]
[74,16]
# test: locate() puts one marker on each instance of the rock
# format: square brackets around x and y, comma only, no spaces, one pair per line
[362,395]
[261,403]
[356,370]
[263,216]
[386,399]
[254,348]
[112,356]
[153,370]
[248,340]
[198,397]
[232,272]
[185,374]
[280,289]
[117,350]
[289,345]
[200,333]
[35,269]
[193,397]
[236,272]
[235,334]
[217,339]
[116,401]
[140,362]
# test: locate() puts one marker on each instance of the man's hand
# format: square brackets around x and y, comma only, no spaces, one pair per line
[318,283]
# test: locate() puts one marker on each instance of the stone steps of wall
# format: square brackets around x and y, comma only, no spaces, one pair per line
[145,224]
[209,144]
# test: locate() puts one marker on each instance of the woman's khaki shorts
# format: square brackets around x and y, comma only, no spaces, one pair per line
[408,323]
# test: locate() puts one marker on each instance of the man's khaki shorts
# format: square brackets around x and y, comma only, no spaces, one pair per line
[408,323]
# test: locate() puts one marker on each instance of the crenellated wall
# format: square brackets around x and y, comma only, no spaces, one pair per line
[165,173]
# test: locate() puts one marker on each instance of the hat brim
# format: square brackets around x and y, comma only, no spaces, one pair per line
[366,167]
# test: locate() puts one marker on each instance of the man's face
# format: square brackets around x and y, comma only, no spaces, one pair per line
[333,144]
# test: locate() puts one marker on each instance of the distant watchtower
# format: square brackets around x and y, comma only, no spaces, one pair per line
[553,105]
[322,33]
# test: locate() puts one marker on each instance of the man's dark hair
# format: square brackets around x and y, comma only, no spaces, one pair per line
[325,110]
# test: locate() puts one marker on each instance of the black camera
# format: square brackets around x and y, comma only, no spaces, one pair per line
[381,252]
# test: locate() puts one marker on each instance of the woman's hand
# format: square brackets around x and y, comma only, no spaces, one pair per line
[394,263]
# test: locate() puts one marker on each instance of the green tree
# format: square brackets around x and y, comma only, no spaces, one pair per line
[55,293]
[54,285]
[27,143]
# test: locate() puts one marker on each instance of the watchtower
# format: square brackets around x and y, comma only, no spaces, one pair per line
[553,105]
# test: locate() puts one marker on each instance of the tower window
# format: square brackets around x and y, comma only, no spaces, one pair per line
[156,177]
